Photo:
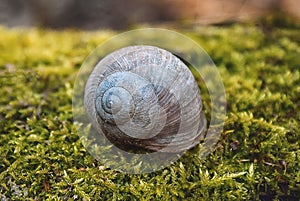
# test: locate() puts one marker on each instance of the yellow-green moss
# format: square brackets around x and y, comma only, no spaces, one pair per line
[258,156]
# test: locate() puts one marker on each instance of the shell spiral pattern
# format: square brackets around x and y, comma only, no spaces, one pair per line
[143,98]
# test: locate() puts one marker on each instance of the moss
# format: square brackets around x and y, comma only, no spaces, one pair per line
[258,155]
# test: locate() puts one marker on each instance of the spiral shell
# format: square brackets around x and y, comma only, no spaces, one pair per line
[143,98]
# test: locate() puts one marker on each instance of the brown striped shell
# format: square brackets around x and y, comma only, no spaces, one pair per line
[143,98]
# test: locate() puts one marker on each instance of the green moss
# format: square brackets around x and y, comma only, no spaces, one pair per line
[258,154]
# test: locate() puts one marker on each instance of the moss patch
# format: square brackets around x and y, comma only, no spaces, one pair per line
[258,156]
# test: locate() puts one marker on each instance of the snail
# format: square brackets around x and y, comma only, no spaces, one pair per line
[145,99]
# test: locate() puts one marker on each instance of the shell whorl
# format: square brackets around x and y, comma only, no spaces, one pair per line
[145,98]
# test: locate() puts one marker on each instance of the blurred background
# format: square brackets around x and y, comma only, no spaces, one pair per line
[123,14]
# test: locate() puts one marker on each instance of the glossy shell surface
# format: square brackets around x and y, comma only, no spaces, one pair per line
[143,98]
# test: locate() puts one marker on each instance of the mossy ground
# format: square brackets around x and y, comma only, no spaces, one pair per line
[258,156]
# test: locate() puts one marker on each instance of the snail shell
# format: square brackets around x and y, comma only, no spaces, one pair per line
[143,98]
